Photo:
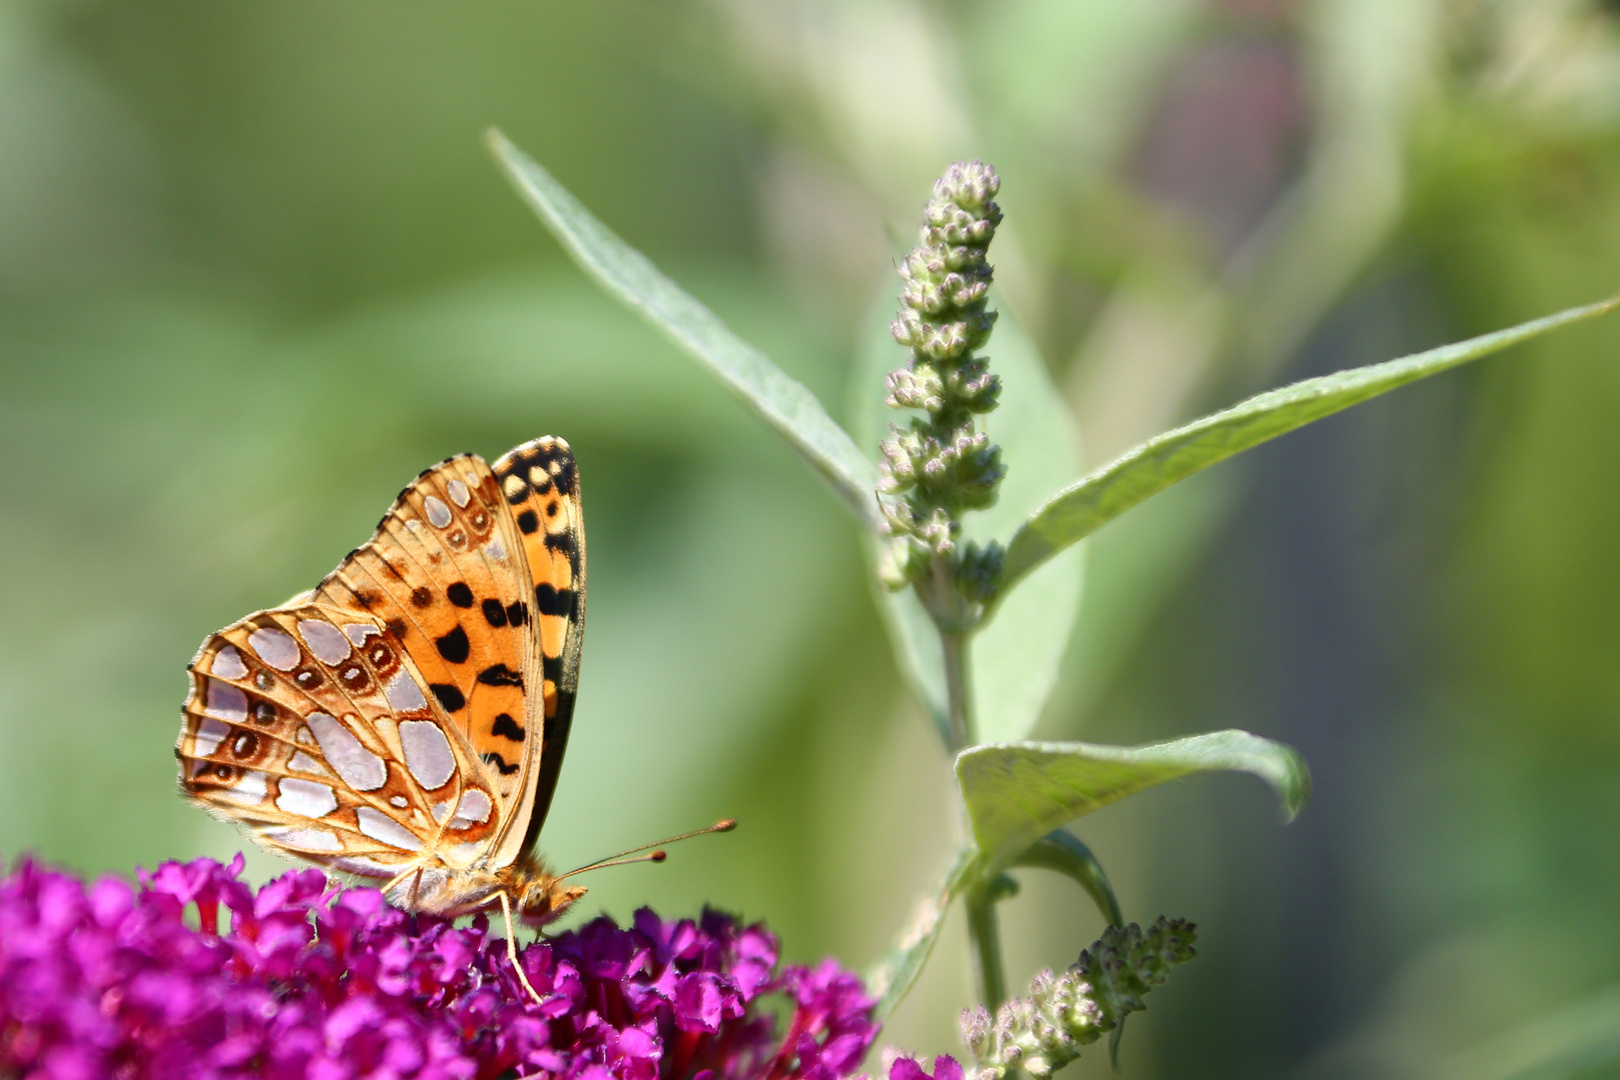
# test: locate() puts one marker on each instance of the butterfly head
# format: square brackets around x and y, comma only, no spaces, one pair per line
[545,898]
[541,896]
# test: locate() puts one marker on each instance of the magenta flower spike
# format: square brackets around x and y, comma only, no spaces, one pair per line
[313,980]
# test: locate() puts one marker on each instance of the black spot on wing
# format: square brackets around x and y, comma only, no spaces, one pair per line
[528,521]
[517,613]
[448,696]
[506,727]
[550,600]
[551,668]
[454,646]
[494,613]
[459,595]
[500,764]
[563,542]
[500,675]
[421,597]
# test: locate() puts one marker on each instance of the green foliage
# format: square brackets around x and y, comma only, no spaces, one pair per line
[629,276]
[1018,792]
[1077,512]
[1060,851]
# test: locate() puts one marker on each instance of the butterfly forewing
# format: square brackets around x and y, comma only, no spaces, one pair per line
[445,574]
[310,727]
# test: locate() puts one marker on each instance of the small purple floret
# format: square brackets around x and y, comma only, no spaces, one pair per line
[315,981]
[945,1068]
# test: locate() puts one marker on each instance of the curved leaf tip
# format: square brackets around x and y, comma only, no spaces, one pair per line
[1018,792]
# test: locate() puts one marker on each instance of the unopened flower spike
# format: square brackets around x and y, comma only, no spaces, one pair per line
[940,466]
[1045,1031]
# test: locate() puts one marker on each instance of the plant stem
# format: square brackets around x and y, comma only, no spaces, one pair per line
[958,687]
[984,937]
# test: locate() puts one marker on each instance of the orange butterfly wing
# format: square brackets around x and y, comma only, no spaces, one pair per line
[471,594]
[310,727]
[540,482]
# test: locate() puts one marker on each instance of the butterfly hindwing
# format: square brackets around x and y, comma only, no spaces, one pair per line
[540,485]
[309,726]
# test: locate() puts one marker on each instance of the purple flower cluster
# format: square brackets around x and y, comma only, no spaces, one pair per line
[313,980]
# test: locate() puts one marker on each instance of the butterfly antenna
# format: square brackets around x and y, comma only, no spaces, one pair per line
[657,856]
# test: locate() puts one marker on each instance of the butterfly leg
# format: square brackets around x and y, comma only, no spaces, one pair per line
[388,886]
[511,948]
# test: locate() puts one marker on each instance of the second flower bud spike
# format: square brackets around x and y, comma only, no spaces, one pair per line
[1045,1031]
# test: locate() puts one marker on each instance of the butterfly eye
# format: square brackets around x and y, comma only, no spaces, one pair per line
[245,745]
[224,772]
[456,538]
[264,713]
[381,657]
[262,680]
[307,678]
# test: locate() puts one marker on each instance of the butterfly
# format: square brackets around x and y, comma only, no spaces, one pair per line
[404,722]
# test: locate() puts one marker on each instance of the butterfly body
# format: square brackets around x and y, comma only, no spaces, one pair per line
[404,722]
[533,889]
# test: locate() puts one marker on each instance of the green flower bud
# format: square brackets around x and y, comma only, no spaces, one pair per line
[942,467]
[1045,1031]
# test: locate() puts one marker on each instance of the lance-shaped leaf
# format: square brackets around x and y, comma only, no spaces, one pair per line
[1081,509]
[1018,792]
[630,276]
[891,977]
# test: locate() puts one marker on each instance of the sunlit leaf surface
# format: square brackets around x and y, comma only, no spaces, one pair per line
[1018,792]
[1076,512]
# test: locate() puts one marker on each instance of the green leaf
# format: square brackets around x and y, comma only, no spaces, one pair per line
[1018,792]
[1063,852]
[1080,510]
[1016,658]
[891,977]
[629,276]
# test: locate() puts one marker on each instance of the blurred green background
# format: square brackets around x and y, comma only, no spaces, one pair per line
[256,271]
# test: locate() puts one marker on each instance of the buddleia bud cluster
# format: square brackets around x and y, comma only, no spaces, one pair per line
[940,466]
[1045,1031]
